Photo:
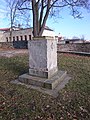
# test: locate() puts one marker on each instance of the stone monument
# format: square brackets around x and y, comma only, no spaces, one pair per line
[43,71]
[42,57]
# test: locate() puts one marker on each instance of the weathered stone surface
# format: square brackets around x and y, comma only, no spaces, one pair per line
[42,57]
[42,73]
[49,83]
[39,83]
[52,82]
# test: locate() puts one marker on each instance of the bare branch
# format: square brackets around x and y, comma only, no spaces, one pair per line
[41,9]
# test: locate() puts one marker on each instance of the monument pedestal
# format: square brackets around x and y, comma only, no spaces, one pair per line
[47,83]
[43,73]
[42,57]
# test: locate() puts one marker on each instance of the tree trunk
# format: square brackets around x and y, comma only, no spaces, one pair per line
[43,24]
[45,18]
[38,20]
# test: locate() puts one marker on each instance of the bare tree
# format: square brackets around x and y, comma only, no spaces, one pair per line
[15,15]
[12,12]
[41,9]
[82,37]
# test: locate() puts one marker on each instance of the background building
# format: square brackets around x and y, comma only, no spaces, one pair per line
[20,34]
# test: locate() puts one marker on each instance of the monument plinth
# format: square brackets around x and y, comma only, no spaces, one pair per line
[43,73]
[42,57]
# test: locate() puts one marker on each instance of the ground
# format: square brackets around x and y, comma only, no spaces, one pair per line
[12,52]
[20,103]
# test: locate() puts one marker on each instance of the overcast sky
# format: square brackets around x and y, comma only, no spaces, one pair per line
[66,25]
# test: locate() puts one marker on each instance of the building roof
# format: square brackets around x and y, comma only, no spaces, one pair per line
[17,28]
[4,29]
[47,28]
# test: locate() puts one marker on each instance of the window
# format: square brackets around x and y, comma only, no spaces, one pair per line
[7,39]
[25,37]
[13,38]
[67,42]
[21,38]
[29,37]
[10,38]
[17,38]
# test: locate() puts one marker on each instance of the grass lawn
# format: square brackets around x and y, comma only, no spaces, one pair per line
[20,103]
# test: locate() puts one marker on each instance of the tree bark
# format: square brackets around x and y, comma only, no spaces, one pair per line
[45,18]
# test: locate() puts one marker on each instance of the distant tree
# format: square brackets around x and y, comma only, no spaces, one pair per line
[41,9]
[82,37]
[75,37]
[15,15]
[11,11]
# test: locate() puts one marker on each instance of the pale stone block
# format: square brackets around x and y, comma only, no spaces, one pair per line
[42,56]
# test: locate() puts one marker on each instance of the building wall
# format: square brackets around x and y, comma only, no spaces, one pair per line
[18,35]
[78,41]
[1,36]
[24,34]
[48,33]
[61,42]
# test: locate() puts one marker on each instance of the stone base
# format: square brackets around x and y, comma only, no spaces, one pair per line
[49,83]
[50,86]
[43,74]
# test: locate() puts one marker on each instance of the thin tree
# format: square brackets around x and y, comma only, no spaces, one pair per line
[15,15]
[12,12]
[41,9]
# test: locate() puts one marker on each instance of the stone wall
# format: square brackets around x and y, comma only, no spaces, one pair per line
[79,47]
[14,44]
[6,45]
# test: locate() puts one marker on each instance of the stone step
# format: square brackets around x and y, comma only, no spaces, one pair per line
[55,80]
[49,83]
